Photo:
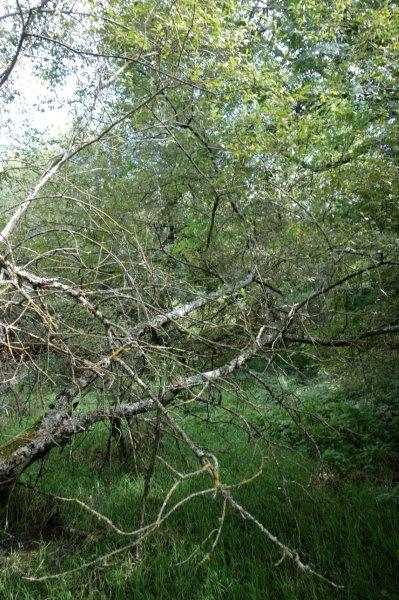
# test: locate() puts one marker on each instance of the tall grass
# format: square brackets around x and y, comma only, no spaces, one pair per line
[346,529]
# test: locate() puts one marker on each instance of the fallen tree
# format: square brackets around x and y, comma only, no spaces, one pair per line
[63,421]
[120,260]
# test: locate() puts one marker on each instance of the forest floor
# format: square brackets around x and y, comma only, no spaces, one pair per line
[342,522]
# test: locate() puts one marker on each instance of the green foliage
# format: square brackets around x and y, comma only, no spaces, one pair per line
[329,524]
[273,145]
[354,434]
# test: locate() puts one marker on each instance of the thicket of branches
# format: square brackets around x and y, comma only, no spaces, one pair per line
[227,191]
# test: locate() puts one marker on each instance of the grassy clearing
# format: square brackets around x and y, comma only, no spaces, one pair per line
[346,529]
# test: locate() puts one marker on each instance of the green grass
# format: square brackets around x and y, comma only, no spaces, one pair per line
[346,529]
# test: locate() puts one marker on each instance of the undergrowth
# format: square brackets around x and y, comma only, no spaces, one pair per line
[344,526]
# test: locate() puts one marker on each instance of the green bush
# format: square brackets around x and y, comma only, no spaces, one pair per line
[349,432]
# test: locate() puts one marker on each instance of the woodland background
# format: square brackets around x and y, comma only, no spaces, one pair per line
[199,299]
